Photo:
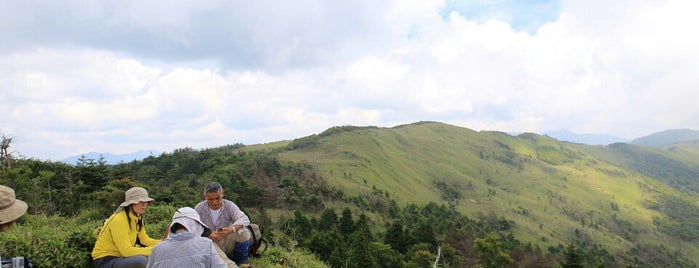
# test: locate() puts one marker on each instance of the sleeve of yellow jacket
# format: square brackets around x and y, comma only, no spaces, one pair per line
[118,238]
[147,240]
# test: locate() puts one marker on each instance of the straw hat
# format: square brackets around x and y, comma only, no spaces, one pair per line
[135,195]
[10,207]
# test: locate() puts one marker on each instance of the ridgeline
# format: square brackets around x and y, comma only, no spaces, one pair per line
[481,198]
[621,196]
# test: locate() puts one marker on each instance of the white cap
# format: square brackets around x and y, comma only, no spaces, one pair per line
[183,214]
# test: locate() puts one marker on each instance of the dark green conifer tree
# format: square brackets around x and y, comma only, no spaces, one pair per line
[346,224]
[396,237]
[573,256]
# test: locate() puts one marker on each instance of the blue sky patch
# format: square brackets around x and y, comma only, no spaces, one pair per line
[526,15]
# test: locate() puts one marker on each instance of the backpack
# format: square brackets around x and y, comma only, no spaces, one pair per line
[17,262]
[256,240]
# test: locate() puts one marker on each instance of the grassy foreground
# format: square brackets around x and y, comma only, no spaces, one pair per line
[67,242]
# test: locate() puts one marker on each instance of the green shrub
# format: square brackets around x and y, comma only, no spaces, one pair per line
[278,257]
[54,241]
[49,241]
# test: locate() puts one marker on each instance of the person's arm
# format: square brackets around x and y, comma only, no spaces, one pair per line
[147,240]
[121,236]
[238,217]
[203,210]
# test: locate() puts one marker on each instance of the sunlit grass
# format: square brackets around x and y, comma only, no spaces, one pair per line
[548,188]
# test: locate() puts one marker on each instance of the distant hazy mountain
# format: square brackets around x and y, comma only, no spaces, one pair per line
[110,158]
[667,137]
[589,139]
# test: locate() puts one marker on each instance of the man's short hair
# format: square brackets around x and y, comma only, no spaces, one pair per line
[213,187]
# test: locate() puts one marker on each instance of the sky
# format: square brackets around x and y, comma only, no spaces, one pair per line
[83,76]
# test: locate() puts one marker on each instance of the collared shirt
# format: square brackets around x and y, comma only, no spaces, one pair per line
[230,215]
[185,250]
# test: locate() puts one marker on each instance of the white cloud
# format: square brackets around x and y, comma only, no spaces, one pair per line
[210,75]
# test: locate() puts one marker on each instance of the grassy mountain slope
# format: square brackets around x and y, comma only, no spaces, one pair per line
[676,165]
[689,150]
[547,187]
[667,137]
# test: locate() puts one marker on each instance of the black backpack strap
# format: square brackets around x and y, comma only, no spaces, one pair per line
[262,241]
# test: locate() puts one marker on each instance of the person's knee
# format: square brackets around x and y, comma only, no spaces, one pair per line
[243,246]
[137,261]
[240,255]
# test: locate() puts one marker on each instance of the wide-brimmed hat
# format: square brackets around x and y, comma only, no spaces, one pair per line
[135,195]
[187,216]
[10,207]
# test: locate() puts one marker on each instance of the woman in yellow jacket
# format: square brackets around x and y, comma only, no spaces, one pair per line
[122,241]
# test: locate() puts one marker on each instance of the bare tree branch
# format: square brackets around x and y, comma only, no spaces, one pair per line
[436,260]
[5,157]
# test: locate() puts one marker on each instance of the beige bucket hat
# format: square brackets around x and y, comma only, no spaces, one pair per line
[10,207]
[135,195]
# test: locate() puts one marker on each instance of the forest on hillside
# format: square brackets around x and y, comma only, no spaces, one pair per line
[297,209]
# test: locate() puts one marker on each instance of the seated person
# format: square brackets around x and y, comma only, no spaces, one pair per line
[186,244]
[228,220]
[122,241]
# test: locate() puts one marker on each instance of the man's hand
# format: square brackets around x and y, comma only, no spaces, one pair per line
[220,234]
[223,232]
[236,228]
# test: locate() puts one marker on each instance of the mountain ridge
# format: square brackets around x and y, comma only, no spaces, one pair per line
[548,187]
[667,137]
[561,135]
[586,138]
